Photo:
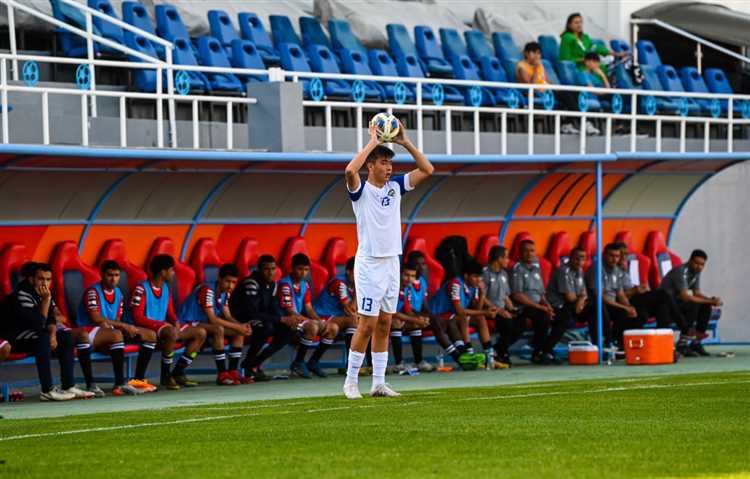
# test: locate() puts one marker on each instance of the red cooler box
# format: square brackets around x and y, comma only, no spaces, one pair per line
[582,353]
[649,346]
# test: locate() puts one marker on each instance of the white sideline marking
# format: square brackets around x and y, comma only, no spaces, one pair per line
[234,416]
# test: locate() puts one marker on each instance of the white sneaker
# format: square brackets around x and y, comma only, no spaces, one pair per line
[80,393]
[96,391]
[383,390]
[591,129]
[56,394]
[569,129]
[425,367]
[351,391]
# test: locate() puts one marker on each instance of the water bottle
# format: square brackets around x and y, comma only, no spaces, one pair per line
[490,359]
[441,360]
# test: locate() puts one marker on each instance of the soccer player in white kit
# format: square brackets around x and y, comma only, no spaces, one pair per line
[377,207]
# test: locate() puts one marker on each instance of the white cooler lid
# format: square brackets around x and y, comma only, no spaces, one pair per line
[582,346]
[649,332]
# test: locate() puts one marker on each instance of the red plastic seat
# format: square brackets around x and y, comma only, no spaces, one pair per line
[559,249]
[184,274]
[486,243]
[515,255]
[205,261]
[662,258]
[12,257]
[70,278]
[643,261]
[587,242]
[335,257]
[318,273]
[435,271]
[131,274]
[247,256]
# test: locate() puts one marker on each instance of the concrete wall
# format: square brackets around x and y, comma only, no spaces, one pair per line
[714,219]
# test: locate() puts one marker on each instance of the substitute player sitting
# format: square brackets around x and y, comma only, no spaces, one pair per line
[408,320]
[207,307]
[377,208]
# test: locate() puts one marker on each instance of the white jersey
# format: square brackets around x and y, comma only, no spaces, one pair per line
[378,213]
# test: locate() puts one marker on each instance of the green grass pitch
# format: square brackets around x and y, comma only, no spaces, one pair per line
[695,425]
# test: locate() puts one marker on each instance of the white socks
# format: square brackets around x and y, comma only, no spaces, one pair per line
[354,363]
[379,363]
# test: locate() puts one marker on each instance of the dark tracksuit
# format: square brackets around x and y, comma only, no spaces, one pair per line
[611,286]
[27,332]
[680,279]
[655,303]
[527,279]
[254,301]
[566,280]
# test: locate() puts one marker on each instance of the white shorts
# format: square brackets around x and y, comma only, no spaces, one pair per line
[377,282]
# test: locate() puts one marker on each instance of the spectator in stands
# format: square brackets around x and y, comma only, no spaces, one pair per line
[338,305]
[407,320]
[460,300]
[295,300]
[33,330]
[657,303]
[100,315]
[497,284]
[151,308]
[530,70]
[683,283]
[527,291]
[445,331]
[207,307]
[617,307]
[567,295]
[592,67]
[575,44]
[255,302]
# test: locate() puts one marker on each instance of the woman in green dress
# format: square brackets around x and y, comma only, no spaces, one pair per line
[575,44]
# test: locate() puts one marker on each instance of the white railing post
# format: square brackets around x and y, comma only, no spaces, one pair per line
[196,131]
[90,58]
[730,124]
[448,132]
[682,136]
[159,109]
[504,133]
[230,126]
[45,118]
[329,129]
[582,137]
[84,120]
[358,128]
[12,39]
[707,137]
[123,123]
[608,136]
[699,57]
[557,134]
[4,84]
[633,122]
[658,135]
[477,142]
[420,133]
[171,103]
[633,41]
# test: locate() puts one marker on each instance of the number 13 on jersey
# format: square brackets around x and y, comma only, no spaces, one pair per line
[367,304]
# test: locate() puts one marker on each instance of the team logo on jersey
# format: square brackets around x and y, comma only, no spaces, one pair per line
[391,192]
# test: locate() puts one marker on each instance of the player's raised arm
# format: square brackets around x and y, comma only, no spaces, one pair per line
[424,167]
[352,169]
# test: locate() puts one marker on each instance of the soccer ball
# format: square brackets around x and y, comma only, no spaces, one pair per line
[386,125]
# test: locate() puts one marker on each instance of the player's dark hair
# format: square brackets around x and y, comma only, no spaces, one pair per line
[699,253]
[108,265]
[532,47]
[414,256]
[621,246]
[593,56]
[380,151]
[159,263]
[300,259]
[41,267]
[497,252]
[265,259]
[577,250]
[611,247]
[409,265]
[473,267]
[350,264]
[228,269]
[28,269]
[526,242]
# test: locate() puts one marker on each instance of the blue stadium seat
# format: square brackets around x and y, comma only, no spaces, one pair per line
[509,65]
[381,64]
[694,82]
[401,44]
[671,82]
[246,55]
[282,30]
[550,48]
[294,59]
[550,71]
[183,54]
[212,54]
[343,38]
[145,80]
[72,45]
[354,63]
[252,29]
[651,82]
[408,66]
[717,81]
[312,32]
[465,69]
[453,44]
[598,42]
[619,46]
[430,52]
[478,45]
[322,60]
[134,13]
[492,70]
[567,71]
[505,47]
[169,24]
[647,54]
[222,29]
[108,30]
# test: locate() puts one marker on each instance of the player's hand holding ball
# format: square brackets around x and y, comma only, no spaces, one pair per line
[387,128]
